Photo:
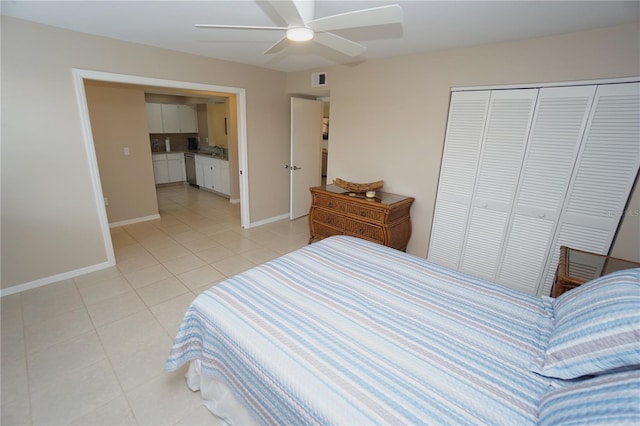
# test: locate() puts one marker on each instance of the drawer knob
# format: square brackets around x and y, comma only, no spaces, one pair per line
[361,231]
[330,204]
[363,214]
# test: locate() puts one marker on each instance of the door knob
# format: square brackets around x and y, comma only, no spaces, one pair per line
[296,168]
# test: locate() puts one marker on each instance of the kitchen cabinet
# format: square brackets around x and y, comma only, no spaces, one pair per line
[171,118]
[154,118]
[213,174]
[168,168]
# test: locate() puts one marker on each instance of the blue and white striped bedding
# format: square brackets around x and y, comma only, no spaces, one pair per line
[344,331]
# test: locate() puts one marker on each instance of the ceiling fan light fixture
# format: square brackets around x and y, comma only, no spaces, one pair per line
[299,34]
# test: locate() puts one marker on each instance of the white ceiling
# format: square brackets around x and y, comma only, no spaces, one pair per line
[427,26]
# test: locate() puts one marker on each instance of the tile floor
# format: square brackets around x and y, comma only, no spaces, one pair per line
[91,350]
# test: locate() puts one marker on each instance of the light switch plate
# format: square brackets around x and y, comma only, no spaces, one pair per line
[126,150]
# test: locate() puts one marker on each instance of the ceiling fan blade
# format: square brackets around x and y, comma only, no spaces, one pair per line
[294,13]
[278,46]
[382,15]
[239,27]
[340,44]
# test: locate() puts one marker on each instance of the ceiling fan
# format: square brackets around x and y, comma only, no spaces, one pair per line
[301,25]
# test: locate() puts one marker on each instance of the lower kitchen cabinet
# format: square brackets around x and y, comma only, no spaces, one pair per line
[168,168]
[213,174]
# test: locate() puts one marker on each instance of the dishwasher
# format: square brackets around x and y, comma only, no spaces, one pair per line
[190,167]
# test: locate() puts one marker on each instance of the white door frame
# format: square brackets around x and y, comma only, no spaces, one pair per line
[79,75]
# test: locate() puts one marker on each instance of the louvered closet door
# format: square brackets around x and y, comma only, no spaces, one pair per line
[558,126]
[605,171]
[506,134]
[465,126]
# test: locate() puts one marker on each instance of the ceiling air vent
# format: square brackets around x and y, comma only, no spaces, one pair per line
[318,79]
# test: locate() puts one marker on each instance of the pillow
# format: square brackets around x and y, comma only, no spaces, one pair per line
[612,399]
[596,328]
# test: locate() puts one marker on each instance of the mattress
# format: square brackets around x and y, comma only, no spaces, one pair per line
[345,331]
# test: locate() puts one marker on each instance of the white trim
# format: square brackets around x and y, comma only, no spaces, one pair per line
[136,220]
[549,84]
[92,161]
[81,74]
[234,200]
[54,278]
[270,220]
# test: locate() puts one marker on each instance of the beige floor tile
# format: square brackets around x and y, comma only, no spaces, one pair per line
[96,277]
[135,263]
[200,416]
[146,363]
[200,277]
[156,241]
[200,244]
[171,312]
[226,237]
[62,359]
[73,396]
[233,265]
[12,333]
[183,264]
[148,275]
[161,291]
[129,251]
[214,254]
[47,305]
[260,255]
[114,413]
[242,245]
[104,290]
[58,329]
[171,252]
[115,308]
[163,400]
[15,407]
[130,334]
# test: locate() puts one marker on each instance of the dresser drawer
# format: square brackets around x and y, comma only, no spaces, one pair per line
[364,230]
[330,202]
[329,218]
[320,230]
[367,213]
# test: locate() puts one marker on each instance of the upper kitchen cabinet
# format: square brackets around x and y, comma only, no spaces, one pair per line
[154,118]
[171,118]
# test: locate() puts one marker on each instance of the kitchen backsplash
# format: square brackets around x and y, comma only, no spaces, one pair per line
[177,141]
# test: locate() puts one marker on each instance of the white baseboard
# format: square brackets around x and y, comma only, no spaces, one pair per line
[136,220]
[54,279]
[270,220]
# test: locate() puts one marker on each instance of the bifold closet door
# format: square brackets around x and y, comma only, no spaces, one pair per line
[605,171]
[505,138]
[465,129]
[558,127]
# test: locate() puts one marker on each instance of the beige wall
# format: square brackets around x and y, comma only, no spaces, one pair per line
[119,120]
[50,222]
[388,117]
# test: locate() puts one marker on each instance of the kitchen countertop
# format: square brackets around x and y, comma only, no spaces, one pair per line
[203,153]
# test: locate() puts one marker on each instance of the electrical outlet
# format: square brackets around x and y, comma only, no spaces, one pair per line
[106,201]
[126,150]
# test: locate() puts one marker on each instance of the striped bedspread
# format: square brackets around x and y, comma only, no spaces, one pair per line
[344,331]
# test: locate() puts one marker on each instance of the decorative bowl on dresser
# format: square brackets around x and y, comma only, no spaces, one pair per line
[384,219]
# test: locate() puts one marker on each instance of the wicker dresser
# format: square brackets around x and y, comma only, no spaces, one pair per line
[384,220]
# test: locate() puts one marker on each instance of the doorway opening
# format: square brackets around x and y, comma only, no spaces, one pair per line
[80,76]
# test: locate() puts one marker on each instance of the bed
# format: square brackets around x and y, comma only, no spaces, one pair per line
[345,331]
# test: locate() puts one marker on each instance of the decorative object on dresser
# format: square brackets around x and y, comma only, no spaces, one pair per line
[576,267]
[358,187]
[384,219]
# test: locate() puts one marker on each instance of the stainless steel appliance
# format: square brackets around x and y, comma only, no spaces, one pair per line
[190,167]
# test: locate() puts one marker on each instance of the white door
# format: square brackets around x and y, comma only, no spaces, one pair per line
[305,166]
